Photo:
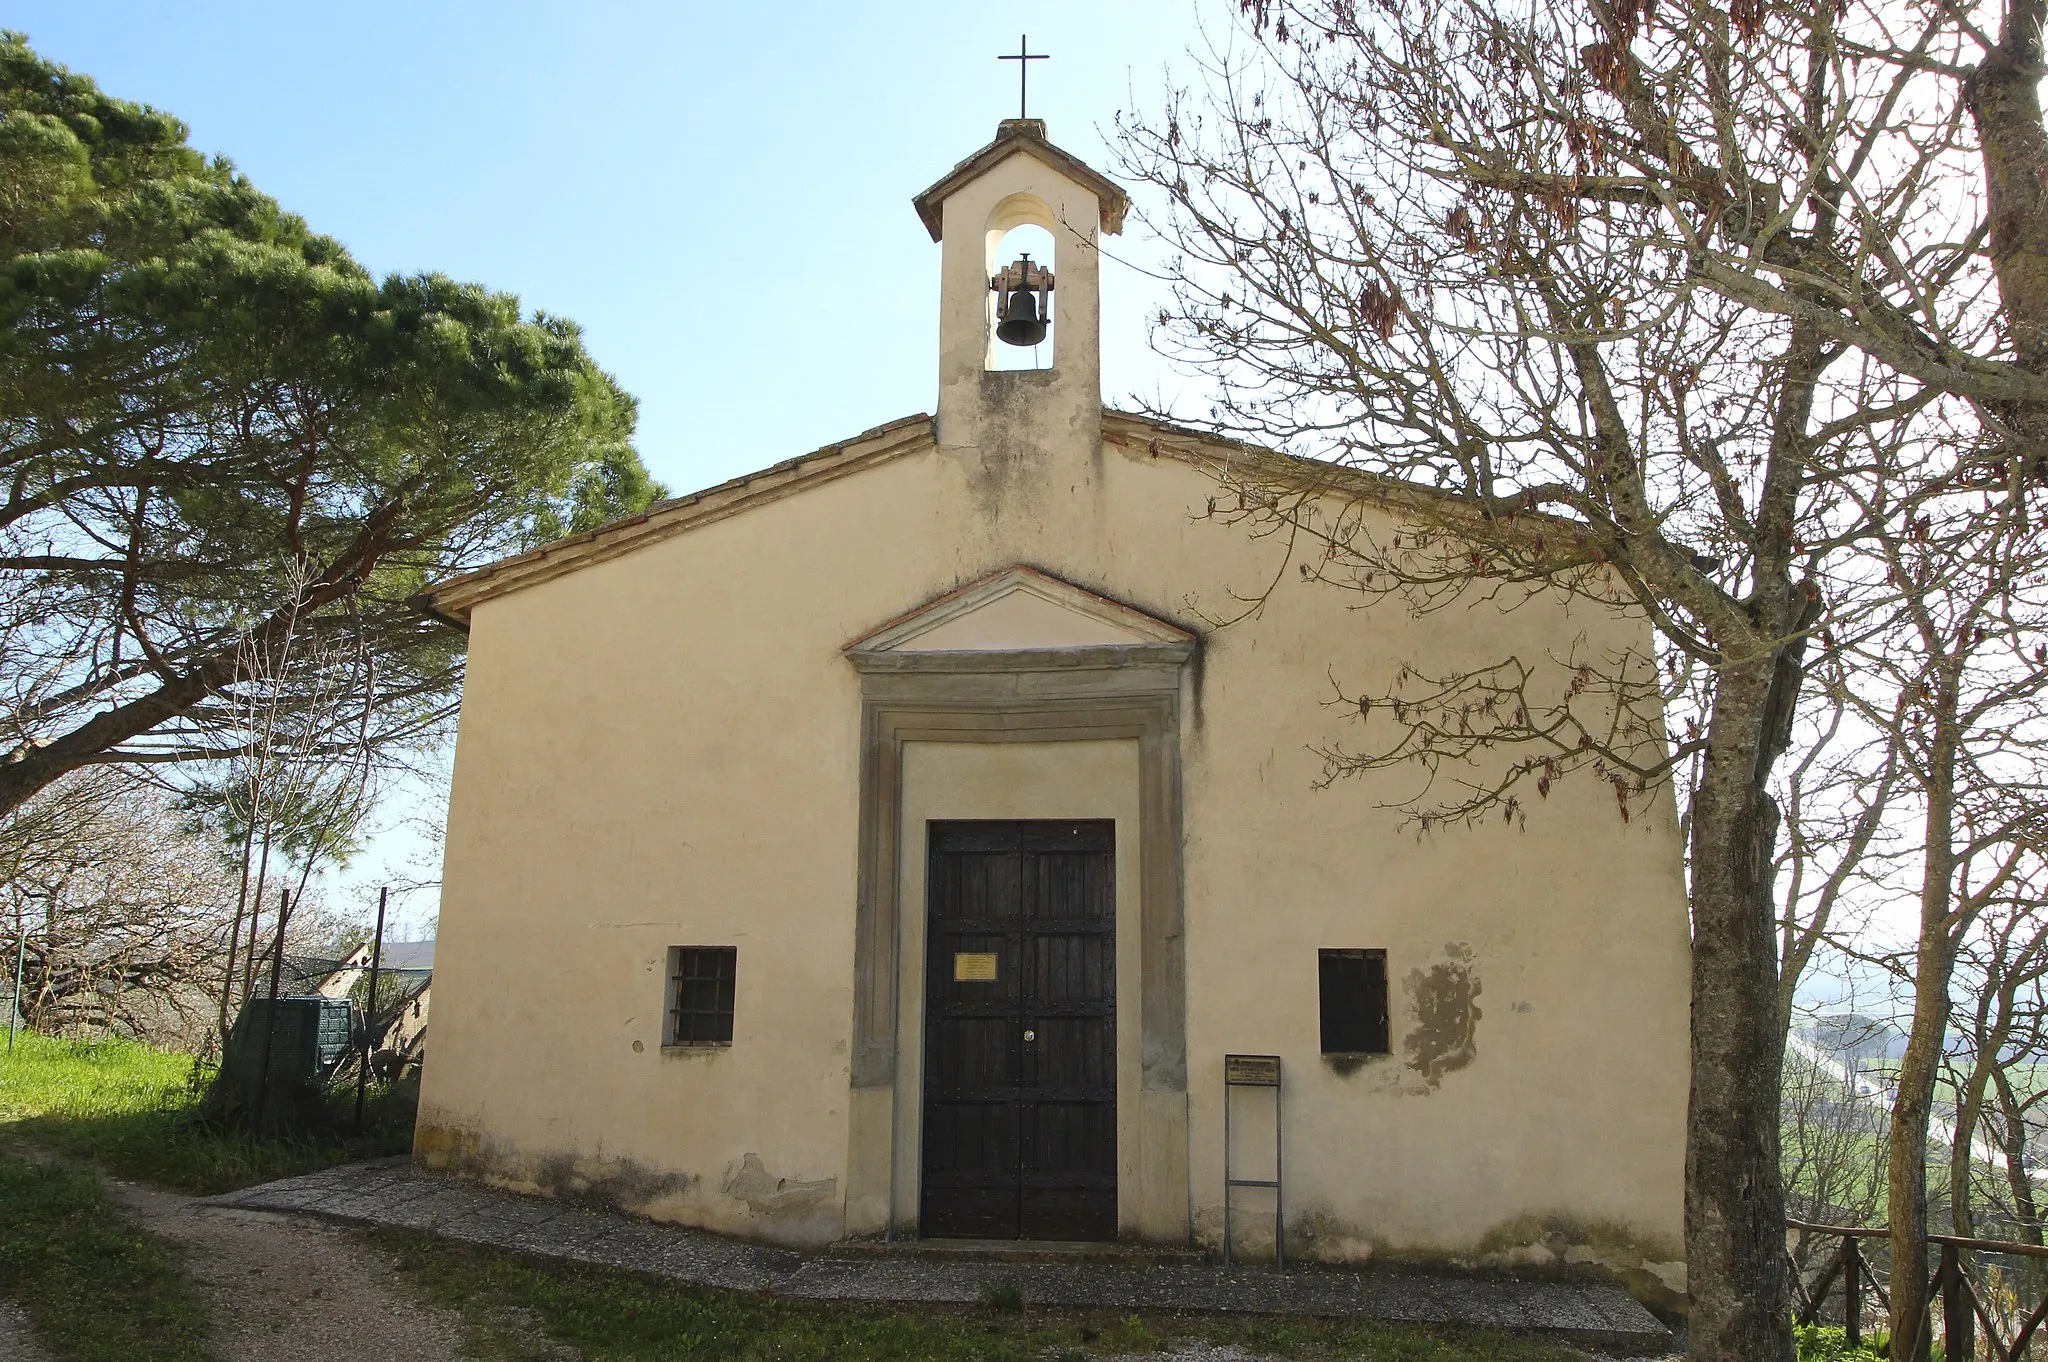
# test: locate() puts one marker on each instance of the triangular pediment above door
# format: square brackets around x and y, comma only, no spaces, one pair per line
[1016,610]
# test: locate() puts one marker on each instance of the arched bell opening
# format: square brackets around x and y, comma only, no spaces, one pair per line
[1022,311]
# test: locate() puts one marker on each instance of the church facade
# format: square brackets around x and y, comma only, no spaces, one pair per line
[893,843]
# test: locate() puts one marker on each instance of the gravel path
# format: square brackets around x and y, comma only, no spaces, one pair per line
[1199,1352]
[17,1339]
[279,1289]
[1230,1352]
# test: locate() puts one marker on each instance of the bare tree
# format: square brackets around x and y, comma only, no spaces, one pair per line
[1688,312]
[1928,809]
[122,906]
[1838,792]
[2004,1033]
[301,781]
[1963,712]
[1917,799]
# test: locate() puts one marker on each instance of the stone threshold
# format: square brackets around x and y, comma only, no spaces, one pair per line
[1016,1251]
[391,1194]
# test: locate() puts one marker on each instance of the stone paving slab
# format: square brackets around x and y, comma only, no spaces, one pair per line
[390,1193]
[1407,1299]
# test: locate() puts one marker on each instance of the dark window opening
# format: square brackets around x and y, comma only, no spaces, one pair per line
[700,994]
[1354,997]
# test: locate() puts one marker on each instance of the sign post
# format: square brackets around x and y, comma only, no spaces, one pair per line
[1254,1071]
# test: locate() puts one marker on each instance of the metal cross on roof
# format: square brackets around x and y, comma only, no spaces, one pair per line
[1023,56]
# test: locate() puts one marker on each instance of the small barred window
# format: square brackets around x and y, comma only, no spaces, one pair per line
[1354,999]
[701,994]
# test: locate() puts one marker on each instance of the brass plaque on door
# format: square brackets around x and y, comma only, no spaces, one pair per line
[971,967]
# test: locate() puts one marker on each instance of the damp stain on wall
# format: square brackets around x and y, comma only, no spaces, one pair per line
[1443,1003]
[593,1182]
[611,1184]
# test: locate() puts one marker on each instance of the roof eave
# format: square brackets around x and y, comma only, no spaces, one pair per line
[451,601]
[1026,136]
[1189,444]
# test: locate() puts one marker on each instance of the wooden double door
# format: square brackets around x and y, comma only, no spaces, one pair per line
[1020,1031]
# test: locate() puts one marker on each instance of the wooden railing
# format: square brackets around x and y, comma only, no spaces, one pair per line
[1961,1309]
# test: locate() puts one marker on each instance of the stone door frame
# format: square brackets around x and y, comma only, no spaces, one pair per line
[1028,695]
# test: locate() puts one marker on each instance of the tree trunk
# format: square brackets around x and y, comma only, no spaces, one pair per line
[1970,1111]
[1734,1198]
[227,984]
[2019,1178]
[1934,965]
[1906,1160]
[2004,99]
[2017,1172]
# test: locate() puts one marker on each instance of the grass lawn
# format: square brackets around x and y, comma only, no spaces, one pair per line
[94,1286]
[134,1111]
[610,1316]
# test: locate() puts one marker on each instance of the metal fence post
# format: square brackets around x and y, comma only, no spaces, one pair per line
[284,908]
[370,1008]
[20,963]
[1852,1291]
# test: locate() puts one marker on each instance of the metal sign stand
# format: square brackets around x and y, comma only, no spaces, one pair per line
[1254,1071]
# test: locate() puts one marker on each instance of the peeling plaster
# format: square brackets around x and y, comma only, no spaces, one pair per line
[755,1203]
[1651,1268]
[1443,1003]
[766,1194]
[1556,1247]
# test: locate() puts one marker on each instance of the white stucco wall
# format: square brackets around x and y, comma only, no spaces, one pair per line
[663,749]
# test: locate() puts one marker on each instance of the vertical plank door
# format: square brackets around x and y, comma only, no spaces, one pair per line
[1020,1031]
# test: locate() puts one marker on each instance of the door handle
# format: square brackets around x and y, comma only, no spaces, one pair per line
[1031,1035]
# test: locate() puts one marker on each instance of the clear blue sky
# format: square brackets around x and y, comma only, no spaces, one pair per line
[720,194]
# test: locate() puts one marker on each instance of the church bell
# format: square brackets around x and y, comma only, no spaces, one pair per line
[1026,291]
[1021,324]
